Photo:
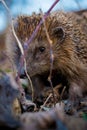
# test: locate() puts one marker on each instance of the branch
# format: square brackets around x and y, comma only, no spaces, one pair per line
[26,44]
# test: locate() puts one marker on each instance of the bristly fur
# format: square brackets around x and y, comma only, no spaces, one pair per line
[70,55]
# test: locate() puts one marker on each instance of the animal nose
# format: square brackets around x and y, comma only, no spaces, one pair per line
[22,73]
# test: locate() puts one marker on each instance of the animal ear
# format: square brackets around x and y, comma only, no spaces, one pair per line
[59,33]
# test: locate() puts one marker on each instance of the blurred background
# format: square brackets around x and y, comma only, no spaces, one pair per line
[19,7]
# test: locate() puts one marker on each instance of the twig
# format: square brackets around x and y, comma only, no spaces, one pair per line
[51,57]
[31,85]
[23,61]
[26,45]
[55,89]
[62,92]
[3,2]
[50,95]
[18,42]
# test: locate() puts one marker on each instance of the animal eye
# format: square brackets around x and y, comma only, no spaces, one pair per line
[42,49]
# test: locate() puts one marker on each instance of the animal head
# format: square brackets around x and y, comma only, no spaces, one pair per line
[39,53]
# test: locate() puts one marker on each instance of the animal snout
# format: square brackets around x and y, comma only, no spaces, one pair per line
[22,73]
